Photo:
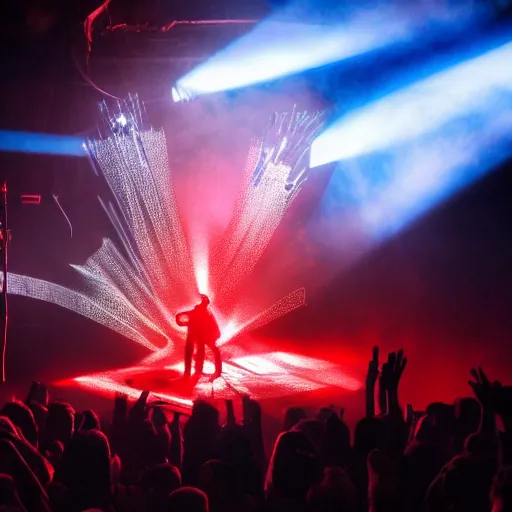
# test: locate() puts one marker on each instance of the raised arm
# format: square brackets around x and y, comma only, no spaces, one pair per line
[182,318]
[371,378]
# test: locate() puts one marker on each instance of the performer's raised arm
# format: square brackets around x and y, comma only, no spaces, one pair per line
[182,319]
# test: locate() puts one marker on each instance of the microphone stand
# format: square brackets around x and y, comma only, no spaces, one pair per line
[4,240]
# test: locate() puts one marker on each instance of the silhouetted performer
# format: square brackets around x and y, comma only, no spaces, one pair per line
[203,331]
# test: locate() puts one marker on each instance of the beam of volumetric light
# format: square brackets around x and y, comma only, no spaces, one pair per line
[41,143]
[278,48]
[471,87]
[430,172]
[388,191]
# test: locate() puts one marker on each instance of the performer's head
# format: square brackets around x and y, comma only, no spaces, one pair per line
[205,301]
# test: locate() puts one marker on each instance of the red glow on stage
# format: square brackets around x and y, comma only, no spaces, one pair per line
[262,376]
[170,252]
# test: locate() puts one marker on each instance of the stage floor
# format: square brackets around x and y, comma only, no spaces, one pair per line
[278,377]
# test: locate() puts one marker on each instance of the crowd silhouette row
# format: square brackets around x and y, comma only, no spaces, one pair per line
[450,457]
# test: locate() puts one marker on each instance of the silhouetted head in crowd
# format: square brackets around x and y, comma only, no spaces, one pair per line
[369,434]
[88,420]
[336,448]
[444,413]
[421,464]
[430,432]
[385,483]
[479,444]
[204,414]
[200,435]
[324,413]
[467,417]
[234,447]
[187,499]
[467,414]
[157,483]
[85,469]
[40,413]
[31,492]
[222,485]
[163,478]
[9,497]
[314,430]
[60,422]
[294,467]
[442,417]
[501,493]
[292,417]
[37,463]
[144,445]
[463,485]
[60,498]
[23,418]
[6,425]
[427,432]
[334,493]
[54,452]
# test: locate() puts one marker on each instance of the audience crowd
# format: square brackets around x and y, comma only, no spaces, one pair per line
[448,458]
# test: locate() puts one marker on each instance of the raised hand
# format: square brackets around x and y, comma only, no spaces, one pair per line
[230,414]
[505,406]
[252,424]
[409,418]
[251,410]
[119,419]
[371,378]
[397,363]
[176,418]
[484,391]
[383,388]
[137,413]
[176,448]
[392,373]
[385,377]
[159,418]
[491,395]
[373,368]
[120,407]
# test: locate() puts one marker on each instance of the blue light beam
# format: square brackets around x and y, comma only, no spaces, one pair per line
[277,48]
[385,193]
[41,143]
[403,154]
[471,87]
